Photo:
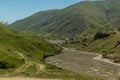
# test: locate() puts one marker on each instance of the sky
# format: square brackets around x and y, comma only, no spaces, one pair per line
[12,10]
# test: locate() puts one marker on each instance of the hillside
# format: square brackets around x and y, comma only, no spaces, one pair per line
[13,42]
[23,55]
[33,20]
[78,19]
[103,42]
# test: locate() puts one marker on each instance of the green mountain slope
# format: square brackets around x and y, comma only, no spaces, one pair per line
[69,21]
[34,19]
[12,42]
[17,49]
[80,18]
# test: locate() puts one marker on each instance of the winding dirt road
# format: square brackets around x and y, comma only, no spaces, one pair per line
[85,63]
[24,67]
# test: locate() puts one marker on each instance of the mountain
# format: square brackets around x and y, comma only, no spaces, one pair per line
[36,18]
[78,19]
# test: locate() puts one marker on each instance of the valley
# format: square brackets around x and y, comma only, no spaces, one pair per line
[85,63]
[77,42]
[22,55]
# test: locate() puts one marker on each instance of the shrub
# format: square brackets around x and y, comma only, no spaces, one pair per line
[101,34]
[6,65]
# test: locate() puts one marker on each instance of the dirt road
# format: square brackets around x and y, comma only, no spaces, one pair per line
[23,68]
[85,63]
[24,78]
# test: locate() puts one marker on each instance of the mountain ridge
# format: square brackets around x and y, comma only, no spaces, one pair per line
[78,19]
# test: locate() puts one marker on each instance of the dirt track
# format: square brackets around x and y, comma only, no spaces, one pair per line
[27,64]
[23,68]
[23,78]
[85,63]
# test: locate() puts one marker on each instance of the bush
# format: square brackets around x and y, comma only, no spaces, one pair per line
[100,35]
[6,65]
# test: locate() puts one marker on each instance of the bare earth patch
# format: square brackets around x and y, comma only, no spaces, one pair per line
[85,63]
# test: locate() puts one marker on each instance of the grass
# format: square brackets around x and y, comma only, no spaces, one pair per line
[12,41]
[34,50]
[58,73]
[37,49]
[64,74]
[31,71]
